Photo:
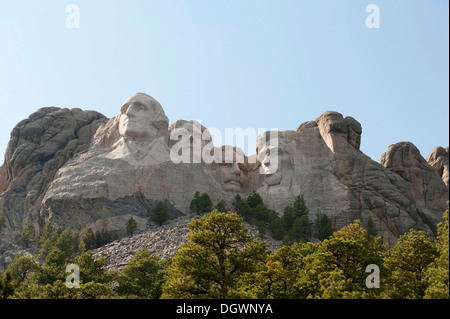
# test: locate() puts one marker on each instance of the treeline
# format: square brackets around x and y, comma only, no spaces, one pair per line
[293,226]
[68,241]
[220,260]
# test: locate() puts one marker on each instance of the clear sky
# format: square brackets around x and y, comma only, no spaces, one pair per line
[235,63]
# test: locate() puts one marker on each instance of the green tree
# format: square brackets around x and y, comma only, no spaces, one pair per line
[238,202]
[218,252]
[24,271]
[221,207]
[246,211]
[370,227]
[21,268]
[47,239]
[95,281]
[54,268]
[255,200]
[131,226]
[296,224]
[92,270]
[68,243]
[7,287]
[142,277]
[323,227]
[57,290]
[300,208]
[438,272]
[276,228]
[160,213]
[206,203]
[288,218]
[105,236]
[300,230]
[28,233]
[90,290]
[337,268]
[277,277]
[88,241]
[201,203]
[407,262]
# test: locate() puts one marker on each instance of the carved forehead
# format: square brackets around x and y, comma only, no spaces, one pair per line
[150,104]
[143,99]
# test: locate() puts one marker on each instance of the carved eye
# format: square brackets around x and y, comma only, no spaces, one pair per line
[139,106]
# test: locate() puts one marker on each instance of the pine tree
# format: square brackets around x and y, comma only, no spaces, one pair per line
[142,277]
[88,241]
[337,267]
[408,262]
[438,272]
[218,252]
[300,208]
[221,207]
[28,233]
[160,213]
[201,203]
[323,227]
[255,200]
[6,285]
[206,203]
[91,269]
[296,224]
[131,226]
[370,228]
[54,268]
[47,239]
[68,243]
[238,203]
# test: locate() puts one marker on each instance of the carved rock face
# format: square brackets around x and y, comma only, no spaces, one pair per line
[84,170]
[142,116]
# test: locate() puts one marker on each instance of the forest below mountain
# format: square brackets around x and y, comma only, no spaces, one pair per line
[221,260]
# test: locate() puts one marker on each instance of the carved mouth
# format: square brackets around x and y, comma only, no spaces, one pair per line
[235,183]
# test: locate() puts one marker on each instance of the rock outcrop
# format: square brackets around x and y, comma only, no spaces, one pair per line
[439,160]
[83,170]
[39,146]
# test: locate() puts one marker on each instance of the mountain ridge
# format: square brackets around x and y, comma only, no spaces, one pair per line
[84,170]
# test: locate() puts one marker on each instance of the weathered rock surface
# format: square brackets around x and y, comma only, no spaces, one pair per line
[39,146]
[439,160]
[83,170]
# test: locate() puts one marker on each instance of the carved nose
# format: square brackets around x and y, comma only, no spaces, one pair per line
[130,111]
[235,169]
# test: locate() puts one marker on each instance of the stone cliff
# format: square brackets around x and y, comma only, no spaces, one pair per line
[84,170]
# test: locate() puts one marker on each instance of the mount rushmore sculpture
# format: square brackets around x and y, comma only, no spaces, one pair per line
[83,170]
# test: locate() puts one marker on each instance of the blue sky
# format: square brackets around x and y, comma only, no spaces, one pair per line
[248,64]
